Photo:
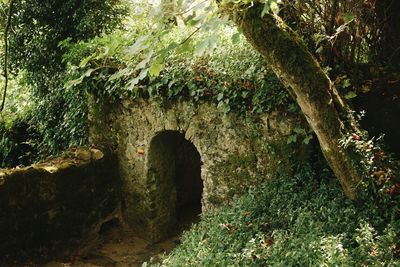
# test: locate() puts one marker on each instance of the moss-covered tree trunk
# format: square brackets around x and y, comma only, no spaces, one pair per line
[308,84]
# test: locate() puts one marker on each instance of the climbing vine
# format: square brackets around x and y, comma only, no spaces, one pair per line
[232,75]
[379,168]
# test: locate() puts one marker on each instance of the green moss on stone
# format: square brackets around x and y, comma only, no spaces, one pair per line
[236,173]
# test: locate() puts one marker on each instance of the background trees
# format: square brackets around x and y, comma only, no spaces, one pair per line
[36,62]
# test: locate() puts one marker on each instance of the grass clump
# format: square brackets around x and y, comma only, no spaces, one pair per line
[296,221]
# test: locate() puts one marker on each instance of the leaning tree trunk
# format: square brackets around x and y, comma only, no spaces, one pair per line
[290,59]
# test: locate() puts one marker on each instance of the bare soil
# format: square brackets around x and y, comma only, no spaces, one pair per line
[118,247]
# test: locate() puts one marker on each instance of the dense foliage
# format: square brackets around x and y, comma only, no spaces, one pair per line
[18,139]
[56,115]
[232,75]
[38,29]
[15,146]
[300,221]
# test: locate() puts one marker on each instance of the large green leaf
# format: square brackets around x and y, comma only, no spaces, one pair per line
[156,68]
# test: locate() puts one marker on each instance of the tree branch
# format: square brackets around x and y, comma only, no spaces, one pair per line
[7,29]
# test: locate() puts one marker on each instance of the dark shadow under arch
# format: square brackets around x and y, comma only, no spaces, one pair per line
[174,177]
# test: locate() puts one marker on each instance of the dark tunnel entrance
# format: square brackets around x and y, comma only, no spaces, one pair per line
[174,168]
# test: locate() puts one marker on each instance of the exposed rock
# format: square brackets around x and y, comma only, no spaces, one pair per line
[83,154]
[2,178]
[50,169]
[96,154]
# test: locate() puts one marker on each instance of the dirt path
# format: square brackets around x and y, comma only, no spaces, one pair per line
[120,248]
[117,246]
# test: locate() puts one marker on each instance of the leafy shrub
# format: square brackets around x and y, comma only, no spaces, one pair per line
[58,116]
[61,120]
[17,143]
[232,75]
[296,221]
[18,137]
[33,128]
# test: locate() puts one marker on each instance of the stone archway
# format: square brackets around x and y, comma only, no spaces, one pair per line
[174,183]
[235,153]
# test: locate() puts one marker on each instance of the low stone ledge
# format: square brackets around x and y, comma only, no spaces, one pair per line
[49,206]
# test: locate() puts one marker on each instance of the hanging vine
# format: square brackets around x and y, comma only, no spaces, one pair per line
[5,67]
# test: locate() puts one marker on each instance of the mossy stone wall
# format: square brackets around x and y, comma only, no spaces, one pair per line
[49,207]
[236,152]
[53,204]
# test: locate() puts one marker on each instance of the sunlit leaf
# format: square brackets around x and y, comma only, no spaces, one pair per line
[266,8]
[346,83]
[86,60]
[185,47]
[201,47]
[235,38]
[292,139]
[139,45]
[206,46]
[120,74]
[132,83]
[142,64]
[172,46]
[350,95]
[156,68]
[88,72]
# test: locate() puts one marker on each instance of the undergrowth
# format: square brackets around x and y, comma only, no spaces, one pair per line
[298,221]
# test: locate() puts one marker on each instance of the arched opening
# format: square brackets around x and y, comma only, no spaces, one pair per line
[174,182]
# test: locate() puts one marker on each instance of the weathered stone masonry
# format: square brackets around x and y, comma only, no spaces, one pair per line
[51,206]
[235,152]
[160,161]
